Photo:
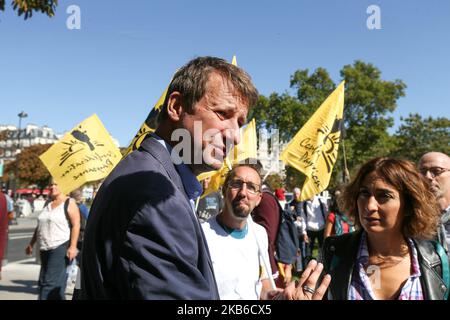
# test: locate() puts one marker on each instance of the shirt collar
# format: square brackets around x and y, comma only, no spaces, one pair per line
[191,185]
[363,255]
[235,233]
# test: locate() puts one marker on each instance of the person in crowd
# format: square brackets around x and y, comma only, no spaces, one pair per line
[435,166]
[77,195]
[6,209]
[280,194]
[391,256]
[239,246]
[267,214]
[296,206]
[337,221]
[11,210]
[57,232]
[143,239]
[210,204]
[314,213]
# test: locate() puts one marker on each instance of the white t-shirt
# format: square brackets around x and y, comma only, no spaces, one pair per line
[236,262]
[315,218]
[53,227]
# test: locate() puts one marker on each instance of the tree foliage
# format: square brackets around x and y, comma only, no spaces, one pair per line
[417,136]
[27,7]
[31,170]
[274,181]
[4,135]
[369,103]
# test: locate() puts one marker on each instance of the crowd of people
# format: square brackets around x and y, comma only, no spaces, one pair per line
[149,234]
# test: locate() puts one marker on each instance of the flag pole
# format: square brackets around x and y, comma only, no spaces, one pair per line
[196,203]
[346,172]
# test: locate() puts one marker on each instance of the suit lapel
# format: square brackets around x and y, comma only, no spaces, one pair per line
[162,155]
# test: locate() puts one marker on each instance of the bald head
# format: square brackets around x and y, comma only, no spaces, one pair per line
[435,166]
[436,156]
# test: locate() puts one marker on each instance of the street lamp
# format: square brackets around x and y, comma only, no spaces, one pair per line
[21,115]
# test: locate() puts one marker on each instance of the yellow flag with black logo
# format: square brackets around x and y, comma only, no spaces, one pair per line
[148,126]
[86,153]
[247,148]
[314,149]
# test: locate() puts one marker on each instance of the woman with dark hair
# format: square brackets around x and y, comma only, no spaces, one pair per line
[391,256]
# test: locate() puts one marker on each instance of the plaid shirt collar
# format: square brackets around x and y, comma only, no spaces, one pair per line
[361,288]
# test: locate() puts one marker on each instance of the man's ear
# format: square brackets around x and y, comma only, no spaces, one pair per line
[259,200]
[175,106]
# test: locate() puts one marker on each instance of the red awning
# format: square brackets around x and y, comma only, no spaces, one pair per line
[31,191]
[24,191]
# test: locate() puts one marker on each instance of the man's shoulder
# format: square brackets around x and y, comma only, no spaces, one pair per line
[143,158]
[139,169]
[212,230]
[210,224]
[259,230]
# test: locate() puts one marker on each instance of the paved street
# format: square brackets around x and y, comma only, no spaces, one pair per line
[21,272]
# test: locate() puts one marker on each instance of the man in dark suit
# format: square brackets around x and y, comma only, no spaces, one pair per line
[143,240]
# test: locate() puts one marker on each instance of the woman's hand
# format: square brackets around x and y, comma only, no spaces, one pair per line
[72,253]
[29,250]
[305,288]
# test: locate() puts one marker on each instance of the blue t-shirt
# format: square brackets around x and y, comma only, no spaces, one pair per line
[9,203]
[83,210]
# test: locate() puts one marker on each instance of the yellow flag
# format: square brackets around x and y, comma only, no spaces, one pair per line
[86,153]
[314,148]
[234,61]
[148,126]
[247,148]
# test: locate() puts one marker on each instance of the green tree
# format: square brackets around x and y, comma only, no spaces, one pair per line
[31,169]
[417,135]
[3,137]
[369,103]
[276,112]
[27,7]
[274,181]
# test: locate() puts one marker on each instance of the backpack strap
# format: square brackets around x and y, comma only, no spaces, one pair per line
[305,210]
[338,224]
[66,211]
[323,210]
[445,267]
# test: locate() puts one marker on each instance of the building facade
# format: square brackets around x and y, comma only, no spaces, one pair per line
[31,135]
[269,150]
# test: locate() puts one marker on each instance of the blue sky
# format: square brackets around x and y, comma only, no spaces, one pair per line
[120,61]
